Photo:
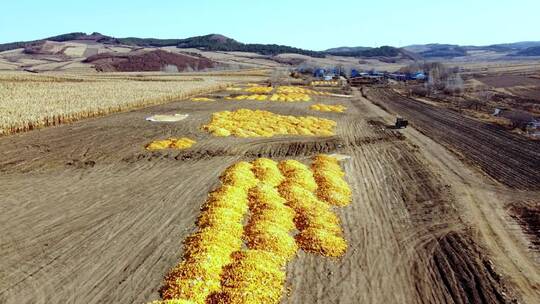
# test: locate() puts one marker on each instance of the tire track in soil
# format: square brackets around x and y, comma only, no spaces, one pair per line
[507,158]
[407,241]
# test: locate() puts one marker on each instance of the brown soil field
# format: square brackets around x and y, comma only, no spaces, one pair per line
[147,61]
[531,94]
[507,81]
[506,157]
[527,214]
[89,216]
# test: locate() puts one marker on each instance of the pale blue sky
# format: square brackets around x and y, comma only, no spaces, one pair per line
[310,24]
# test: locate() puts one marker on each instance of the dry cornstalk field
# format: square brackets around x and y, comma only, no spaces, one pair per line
[30,101]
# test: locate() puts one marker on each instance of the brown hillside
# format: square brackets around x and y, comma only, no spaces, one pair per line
[147,61]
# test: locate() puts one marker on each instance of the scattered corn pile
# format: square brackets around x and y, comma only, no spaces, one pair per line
[170,143]
[202,99]
[325,83]
[276,199]
[328,108]
[248,123]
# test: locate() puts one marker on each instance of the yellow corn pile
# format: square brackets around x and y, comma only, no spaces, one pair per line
[320,229]
[267,171]
[258,97]
[255,277]
[290,97]
[208,250]
[282,97]
[171,143]
[299,90]
[276,198]
[259,90]
[325,83]
[202,99]
[248,123]
[328,108]
[332,187]
[281,93]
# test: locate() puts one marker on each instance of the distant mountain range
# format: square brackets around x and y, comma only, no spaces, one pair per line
[435,50]
[216,42]
[212,42]
[453,50]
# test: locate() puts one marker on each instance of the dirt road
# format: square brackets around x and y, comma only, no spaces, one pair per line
[89,216]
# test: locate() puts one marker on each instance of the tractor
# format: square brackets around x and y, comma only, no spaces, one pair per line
[401,123]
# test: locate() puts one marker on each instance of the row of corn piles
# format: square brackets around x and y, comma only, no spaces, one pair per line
[281,94]
[219,235]
[249,123]
[259,89]
[328,108]
[319,228]
[282,97]
[258,97]
[257,274]
[280,198]
[299,90]
[330,177]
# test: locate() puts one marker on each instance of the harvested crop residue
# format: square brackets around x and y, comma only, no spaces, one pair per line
[248,123]
[226,262]
[527,215]
[170,143]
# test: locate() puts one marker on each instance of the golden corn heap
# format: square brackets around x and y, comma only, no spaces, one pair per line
[281,93]
[325,83]
[328,108]
[329,176]
[202,99]
[249,123]
[171,143]
[259,90]
[299,90]
[226,262]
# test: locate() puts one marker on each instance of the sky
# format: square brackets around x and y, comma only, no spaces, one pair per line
[314,24]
